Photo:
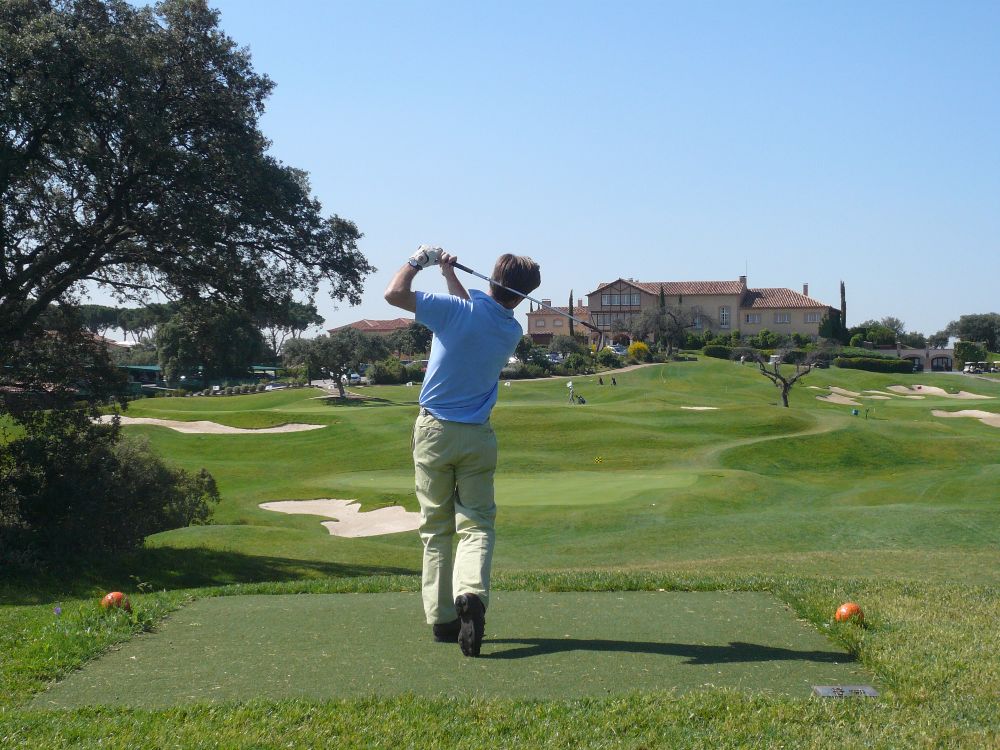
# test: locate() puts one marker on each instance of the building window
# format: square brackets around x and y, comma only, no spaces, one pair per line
[723,317]
[782,318]
[635,299]
[539,324]
[697,322]
[605,300]
[752,318]
[600,319]
[812,317]
[557,323]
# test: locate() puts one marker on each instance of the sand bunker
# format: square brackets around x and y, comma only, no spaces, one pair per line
[211,428]
[931,390]
[836,398]
[986,417]
[843,392]
[700,408]
[349,520]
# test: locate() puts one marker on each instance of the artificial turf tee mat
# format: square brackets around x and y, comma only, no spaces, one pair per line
[538,646]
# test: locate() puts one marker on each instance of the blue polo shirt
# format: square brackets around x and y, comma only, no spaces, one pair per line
[473,339]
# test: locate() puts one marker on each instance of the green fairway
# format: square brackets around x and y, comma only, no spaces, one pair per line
[804,508]
[630,480]
[562,645]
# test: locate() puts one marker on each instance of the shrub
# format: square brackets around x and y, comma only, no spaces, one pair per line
[415,373]
[720,352]
[854,351]
[388,372]
[874,364]
[608,358]
[693,341]
[532,370]
[857,340]
[577,363]
[71,489]
[639,351]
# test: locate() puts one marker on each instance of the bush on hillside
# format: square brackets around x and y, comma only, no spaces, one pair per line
[872,364]
[608,358]
[639,351]
[720,352]
[577,364]
[521,371]
[72,489]
[387,372]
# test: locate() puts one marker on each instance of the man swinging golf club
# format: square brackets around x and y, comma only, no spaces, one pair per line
[454,447]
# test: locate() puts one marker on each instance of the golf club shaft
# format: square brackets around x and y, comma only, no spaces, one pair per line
[591,326]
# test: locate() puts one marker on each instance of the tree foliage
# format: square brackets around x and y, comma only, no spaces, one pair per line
[568,345]
[98,319]
[288,319]
[983,328]
[413,340]
[968,351]
[523,349]
[335,355]
[210,339]
[130,155]
[665,326]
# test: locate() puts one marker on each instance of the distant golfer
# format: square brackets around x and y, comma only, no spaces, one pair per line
[454,447]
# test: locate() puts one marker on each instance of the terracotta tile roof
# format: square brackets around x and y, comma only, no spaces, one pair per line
[582,312]
[675,288]
[376,326]
[679,288]
[777,297]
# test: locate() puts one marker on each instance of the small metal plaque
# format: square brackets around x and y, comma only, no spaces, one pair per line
[845,691]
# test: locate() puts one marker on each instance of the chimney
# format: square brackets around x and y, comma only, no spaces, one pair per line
[743,281]
[547,302]
[805,290]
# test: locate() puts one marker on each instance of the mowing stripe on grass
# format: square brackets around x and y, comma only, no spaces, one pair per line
[539,645]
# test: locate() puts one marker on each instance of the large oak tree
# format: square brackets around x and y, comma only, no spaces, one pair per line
[131,156]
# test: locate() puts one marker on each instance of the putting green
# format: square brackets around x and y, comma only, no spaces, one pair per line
[539,645]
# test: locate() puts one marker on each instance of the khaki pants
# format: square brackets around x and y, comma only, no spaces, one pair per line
[454,465]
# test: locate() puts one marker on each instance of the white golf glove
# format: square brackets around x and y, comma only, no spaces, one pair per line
[426,255]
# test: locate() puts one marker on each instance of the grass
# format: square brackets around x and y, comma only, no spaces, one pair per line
[897,511]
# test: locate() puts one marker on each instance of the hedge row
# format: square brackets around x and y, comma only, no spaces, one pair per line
[718,351]
[874,365]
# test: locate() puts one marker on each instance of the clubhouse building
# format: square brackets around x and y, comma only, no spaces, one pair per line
[717,306]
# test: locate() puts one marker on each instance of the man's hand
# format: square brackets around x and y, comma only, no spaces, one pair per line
[447,262]
[426,255]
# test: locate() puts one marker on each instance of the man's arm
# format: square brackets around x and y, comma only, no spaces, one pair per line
[398,293]
[455,288]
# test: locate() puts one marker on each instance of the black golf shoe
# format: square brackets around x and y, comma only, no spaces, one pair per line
[447,632]
[472,614]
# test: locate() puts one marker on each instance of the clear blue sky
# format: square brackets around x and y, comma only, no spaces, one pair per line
[807,142]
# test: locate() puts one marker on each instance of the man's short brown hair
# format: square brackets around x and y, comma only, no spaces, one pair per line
[516,272]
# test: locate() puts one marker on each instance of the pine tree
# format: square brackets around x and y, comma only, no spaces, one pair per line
[571,312]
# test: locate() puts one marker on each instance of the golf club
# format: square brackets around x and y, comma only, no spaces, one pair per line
[585,324]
